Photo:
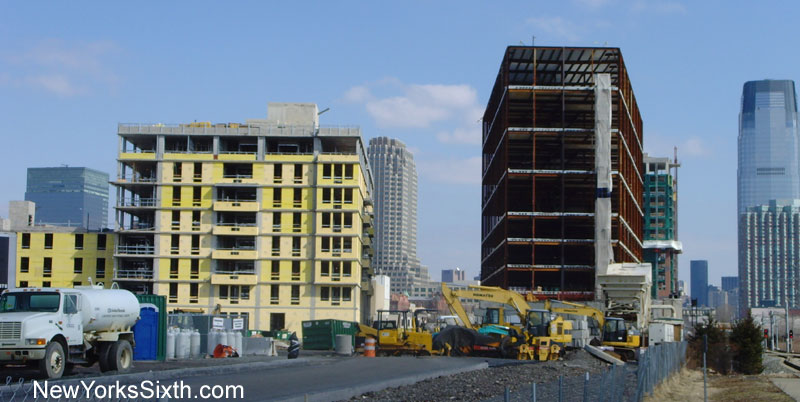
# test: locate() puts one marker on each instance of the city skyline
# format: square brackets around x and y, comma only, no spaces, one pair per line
[76,81]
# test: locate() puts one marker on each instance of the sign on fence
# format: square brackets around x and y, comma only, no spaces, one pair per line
[238,323]
[218,323]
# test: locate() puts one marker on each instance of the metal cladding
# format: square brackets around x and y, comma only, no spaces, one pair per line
[542,152]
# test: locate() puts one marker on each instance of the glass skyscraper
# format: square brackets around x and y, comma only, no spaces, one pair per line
[768,144]
[769,171]
[69,196]
[699,282]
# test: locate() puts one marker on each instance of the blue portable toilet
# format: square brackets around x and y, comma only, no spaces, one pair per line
[145,333]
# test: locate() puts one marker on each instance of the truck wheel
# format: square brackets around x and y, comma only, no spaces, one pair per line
[102,356]
[120,356]
[54,362]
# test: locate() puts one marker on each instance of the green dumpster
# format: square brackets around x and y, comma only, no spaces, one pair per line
[321,334]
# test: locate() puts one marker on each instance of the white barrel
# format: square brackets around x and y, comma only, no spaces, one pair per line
[237,337]
[344,345]
[106,309]
[180,344]
[170,344]
[195,344]
[229,338]
[187,346]
[211,341]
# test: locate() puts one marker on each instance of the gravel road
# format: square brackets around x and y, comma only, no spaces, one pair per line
[491,383]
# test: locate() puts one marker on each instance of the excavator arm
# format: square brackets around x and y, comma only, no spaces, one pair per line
[453,302]
[577,309]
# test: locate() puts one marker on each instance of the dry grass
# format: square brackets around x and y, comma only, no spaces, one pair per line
[685,386]
[747,389]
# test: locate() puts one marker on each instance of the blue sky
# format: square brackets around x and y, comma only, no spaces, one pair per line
[420,71]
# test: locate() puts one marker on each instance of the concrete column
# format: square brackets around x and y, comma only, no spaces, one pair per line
[603,254]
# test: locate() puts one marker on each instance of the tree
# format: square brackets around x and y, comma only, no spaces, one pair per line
[746,337]
[718,356]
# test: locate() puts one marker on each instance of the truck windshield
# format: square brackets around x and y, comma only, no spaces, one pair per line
[24,302]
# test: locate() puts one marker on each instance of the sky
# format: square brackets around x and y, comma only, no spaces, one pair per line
[420,71]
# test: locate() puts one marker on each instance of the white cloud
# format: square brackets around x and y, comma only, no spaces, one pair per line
[420,106]
[460,136]
[452,171]
[694,147]
[55,83]
[60,67]
[555,28]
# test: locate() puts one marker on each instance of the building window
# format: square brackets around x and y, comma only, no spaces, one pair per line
[276,245]
[196,196]
[325,293]
[326,244]
[348,220]
[76,283]
[100,270]
[348,196]
[346,294]
[195,270]
[198,172]
[295,270]
[278,173]
[295,246]
[298,173]
[276,197]
[176,242]
[23,284]
[274,294]
[101,242]
[173,268]
[193,290]
[195,244]
[78,266]
[24,264]
[348,171]
[336,295]
[325,268]
[173,292]
[78,241]
[326,196]
[177,171]
[326,171]
[176,220]
[176,196]
[26,240]
[276,221]
[48,240]
[296,222]
[337,173]
[276,270]
[347,246]
[298,198]
[295,294]
[47,267]
[46,284]
[347,268]
[326,219]
[195,220]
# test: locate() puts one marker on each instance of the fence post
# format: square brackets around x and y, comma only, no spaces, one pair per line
[560,388]
[507,395]
[586,387]
[533,392]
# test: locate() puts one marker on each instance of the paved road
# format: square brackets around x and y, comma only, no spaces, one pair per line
[333,379]
[790,386]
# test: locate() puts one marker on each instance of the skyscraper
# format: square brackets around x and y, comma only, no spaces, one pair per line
[769,167]
[69,196]
[730,283]
[395,187]
[562,171]
[768,182]
[699,281]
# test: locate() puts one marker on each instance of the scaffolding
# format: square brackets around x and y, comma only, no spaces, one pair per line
[539,175]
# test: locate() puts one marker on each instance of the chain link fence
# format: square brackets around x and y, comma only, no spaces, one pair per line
[631,382]
[18,390]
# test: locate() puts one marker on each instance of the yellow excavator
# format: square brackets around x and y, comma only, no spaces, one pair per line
[614,331]
[537,337]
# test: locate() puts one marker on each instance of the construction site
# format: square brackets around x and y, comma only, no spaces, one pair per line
[561,131]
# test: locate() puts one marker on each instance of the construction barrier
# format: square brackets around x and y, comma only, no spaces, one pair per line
[369,347]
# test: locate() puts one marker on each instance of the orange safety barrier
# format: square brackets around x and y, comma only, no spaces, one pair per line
[369,347]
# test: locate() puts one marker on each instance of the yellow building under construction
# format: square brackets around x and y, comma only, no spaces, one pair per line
[52,256]
[269,219]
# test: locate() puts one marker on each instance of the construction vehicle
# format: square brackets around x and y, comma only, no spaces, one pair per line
[57,328]
[400,332]
[538,337]
[612,330]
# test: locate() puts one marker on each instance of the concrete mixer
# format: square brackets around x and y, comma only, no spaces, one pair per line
[57,328]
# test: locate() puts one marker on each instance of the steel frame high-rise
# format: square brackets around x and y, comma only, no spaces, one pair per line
[539,174]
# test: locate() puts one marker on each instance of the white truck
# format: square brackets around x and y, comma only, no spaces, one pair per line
[56,328]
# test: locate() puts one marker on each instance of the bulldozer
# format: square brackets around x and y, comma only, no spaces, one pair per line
[402,332]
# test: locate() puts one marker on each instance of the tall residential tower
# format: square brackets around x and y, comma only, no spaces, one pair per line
[395,208]
[661,245]
[768,183]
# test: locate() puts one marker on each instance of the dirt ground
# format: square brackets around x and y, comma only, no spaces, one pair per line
[688,386]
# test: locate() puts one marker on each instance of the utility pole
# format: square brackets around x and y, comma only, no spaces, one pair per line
[786,318]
